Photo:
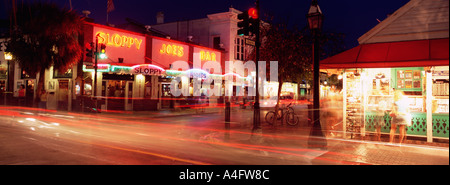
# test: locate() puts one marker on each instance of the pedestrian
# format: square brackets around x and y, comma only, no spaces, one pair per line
[43,102]
[400,116]
[379,105]
[21,95]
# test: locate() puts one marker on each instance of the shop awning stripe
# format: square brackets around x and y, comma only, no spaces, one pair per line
[417,53]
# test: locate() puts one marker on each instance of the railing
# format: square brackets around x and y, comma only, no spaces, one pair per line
[418,124]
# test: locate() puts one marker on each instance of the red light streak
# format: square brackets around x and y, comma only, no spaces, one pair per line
[90,124]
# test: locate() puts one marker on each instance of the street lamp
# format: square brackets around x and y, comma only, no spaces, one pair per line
[315,17]
[8,58]
[315,20]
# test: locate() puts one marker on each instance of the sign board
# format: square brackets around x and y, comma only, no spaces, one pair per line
[204,55]
[147,69]
[165,52]
[120,44]
[249,42]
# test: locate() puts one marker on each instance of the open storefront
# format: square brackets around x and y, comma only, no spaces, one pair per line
[368,88]
[403,53]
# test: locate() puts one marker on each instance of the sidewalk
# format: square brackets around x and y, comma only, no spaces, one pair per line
[343,151]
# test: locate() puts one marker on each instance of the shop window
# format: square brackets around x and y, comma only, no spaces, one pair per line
[3,72]
[87,86]
[115,88]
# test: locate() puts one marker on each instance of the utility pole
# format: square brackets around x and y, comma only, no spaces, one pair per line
[95,72]
[257,111]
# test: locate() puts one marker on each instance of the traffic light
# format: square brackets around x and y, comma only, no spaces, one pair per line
[254,20]
[102,53]
[243,26]
[253,13]
[249,23]
[89,49]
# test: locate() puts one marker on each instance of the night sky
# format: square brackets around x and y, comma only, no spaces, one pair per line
[351,17]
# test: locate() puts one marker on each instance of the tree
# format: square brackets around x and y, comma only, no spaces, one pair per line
[291,47]
[45,35]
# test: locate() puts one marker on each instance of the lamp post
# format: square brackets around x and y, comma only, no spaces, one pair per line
[8,57]
[315,19]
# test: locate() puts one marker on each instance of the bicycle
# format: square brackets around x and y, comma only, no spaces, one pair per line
[290,116]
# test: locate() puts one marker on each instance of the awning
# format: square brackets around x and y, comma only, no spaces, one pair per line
[417,53]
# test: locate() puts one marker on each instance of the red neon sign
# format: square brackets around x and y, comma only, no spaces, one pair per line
[118,40]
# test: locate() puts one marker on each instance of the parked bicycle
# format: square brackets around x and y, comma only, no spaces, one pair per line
[286,112]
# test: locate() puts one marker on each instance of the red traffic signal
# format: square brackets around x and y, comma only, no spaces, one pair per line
[253,13]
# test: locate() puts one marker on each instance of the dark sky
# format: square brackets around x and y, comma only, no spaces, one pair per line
[351,17]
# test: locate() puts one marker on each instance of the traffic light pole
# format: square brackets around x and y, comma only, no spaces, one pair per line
[257,111]
[95,72]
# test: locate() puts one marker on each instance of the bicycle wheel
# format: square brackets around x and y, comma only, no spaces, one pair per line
[291,119]
[270,117]
[290,109]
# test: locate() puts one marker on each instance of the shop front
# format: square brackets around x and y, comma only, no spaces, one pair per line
[369,87]
[402,56]
[133,76]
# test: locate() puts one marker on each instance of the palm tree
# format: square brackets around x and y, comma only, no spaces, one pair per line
[44,35]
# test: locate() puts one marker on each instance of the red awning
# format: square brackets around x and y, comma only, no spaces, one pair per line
[417,53]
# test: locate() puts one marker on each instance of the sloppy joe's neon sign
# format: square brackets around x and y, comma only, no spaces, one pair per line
[172,49]
[118,40]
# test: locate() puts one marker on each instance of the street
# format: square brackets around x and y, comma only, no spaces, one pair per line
[31,136]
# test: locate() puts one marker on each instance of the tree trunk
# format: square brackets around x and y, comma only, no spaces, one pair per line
[40,85]
[280,84]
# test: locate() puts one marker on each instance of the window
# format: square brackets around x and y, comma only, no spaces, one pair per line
[216,43]
[239,52]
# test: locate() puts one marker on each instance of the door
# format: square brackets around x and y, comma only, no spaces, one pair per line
[116,90]
[63,95]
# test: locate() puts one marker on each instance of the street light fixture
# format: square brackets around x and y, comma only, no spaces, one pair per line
[8,56]
[315,20]
[315,17]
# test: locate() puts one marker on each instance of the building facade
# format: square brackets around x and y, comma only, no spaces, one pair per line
[132,78]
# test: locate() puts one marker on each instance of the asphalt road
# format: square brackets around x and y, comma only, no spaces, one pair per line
[32,136]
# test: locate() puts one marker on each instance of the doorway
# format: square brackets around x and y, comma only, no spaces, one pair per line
[115,94]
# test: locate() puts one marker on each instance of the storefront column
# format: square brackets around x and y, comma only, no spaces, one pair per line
[344,104]
[429,105]
[98,91]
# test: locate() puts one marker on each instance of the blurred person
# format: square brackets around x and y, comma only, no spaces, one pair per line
[400,116]
[332,112]
[43,102]
[22,95]
[380,109]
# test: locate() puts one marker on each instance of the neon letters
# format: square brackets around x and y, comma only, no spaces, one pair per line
[147,69]
[207,56]
[118,40]
[172,49]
